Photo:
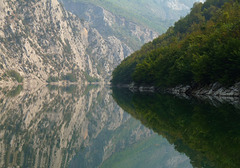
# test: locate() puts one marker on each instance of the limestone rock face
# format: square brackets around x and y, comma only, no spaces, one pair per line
[40,39]
[108,24]
[122,37]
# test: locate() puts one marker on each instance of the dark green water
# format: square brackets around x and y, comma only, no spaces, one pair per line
[209,135]
[95,126]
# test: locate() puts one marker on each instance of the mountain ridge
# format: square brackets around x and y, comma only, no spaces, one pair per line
[200,49]
[110,24]
[157,15]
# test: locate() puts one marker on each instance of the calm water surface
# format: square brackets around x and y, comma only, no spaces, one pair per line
[94,126]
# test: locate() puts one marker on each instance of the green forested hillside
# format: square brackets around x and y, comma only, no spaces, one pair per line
[155,14]
[203,47]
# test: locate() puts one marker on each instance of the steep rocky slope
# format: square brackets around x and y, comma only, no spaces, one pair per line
[109,24]
[157,15]
[40,39]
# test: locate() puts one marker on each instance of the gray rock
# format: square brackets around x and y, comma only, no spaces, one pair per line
[211,90]
[42,39]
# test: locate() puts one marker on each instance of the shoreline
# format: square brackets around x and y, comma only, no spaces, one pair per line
[215,90]
[214,93]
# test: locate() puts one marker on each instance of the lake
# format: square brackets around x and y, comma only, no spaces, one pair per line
[96,126]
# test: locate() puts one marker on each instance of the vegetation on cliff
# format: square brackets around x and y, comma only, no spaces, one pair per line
[203,47]
[156,15]
[14,75]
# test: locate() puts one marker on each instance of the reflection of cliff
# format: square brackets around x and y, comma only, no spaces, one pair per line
[110,130]
[36,128]
[48,127]
[208,135]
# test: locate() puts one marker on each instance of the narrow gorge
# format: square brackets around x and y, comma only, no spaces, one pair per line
[40,41]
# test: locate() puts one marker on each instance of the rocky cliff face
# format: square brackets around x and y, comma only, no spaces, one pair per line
[40,39]
[111,25]
[47,127]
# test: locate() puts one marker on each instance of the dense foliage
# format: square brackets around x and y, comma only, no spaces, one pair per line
[15,75]
[15,91]
[208,135]
[203,47]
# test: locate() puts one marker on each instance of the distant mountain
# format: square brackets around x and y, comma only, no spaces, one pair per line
[110,24]
[157,15]
[201,48]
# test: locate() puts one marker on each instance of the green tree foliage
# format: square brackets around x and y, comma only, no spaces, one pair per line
[52,79]
[90,78]
[15,75]
[203,47]
[15,91]
[69,77]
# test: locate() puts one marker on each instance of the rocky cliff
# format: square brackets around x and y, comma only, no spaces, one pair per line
[157,15]
[109,24]
[41,40]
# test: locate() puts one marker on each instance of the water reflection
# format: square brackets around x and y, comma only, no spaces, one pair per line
[37,128]
[76,126]
[209,135]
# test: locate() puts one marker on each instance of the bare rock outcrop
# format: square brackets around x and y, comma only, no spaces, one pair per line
[40,39]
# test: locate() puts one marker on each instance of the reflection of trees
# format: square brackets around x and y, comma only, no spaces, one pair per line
[208,135]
